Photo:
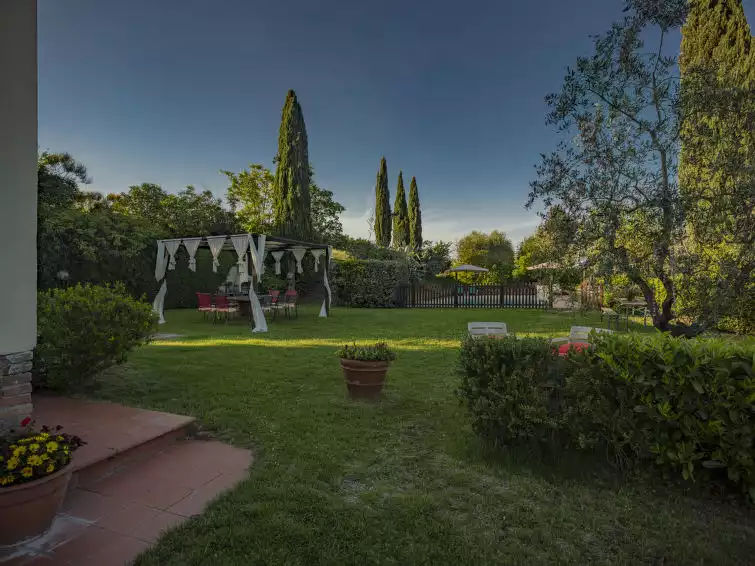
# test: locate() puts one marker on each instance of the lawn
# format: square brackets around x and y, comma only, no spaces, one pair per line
[404,481]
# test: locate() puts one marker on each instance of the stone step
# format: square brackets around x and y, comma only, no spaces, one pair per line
[117,437]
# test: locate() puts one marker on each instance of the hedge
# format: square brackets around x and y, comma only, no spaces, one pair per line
[84,329]
[685,407]
[366,282]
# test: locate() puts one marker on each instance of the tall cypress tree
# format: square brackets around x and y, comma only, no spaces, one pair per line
[400,216]
[382,207]
[292,205]
[415,217]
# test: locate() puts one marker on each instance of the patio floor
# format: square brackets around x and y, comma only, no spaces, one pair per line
[134,480]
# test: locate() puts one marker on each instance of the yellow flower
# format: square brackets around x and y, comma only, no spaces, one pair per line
[5,480]
[50,468]
[52,447]
[34,447]
[44,436]
[19,451]
[44,457]
[12,463]
[59,438]
[34,460]
[27,472]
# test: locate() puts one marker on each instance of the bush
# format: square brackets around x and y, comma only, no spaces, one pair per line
[686,407]
[84,329]
[512,388]
[367,283]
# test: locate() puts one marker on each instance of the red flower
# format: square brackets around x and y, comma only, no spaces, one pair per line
[26,421]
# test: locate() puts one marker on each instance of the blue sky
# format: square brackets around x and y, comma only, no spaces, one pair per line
[170,92]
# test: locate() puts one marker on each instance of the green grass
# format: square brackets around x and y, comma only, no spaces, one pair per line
[404,481]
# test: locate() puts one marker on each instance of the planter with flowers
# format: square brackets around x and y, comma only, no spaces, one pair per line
[365,368]
[34,473]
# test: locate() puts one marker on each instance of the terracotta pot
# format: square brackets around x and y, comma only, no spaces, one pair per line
[28,509]
[364,380]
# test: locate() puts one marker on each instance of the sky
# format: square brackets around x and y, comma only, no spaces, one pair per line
[173,91]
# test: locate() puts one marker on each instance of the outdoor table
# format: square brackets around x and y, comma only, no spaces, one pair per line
[245,307]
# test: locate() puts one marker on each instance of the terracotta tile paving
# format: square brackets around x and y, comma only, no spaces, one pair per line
[115,514]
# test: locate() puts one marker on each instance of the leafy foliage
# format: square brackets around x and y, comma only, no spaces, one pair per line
[415,217]
[493,251]
[512,388]
[686,407]
[292,202]
[378,352]
[326,213]
[617,181]
[382,207]
[718,70]
[367,283]
[250,196]
[186,213]
[84,329]
[400,216]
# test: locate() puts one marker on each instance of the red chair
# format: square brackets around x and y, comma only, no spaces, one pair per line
[222,305]
[204,302]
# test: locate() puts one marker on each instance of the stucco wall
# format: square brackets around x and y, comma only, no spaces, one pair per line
[18,175]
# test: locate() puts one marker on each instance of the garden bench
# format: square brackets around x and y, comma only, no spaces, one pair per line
[477,329]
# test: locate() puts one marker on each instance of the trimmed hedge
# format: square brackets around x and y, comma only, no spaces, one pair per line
[367,282]
[85,329]
[686,407]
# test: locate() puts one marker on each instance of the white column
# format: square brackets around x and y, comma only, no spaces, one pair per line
[18,204]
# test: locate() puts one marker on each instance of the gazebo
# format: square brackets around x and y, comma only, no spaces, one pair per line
[254,246]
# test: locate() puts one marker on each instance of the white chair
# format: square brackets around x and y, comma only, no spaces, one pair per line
[487,329]
[579,334]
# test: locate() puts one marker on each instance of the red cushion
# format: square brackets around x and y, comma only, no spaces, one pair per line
[579,346]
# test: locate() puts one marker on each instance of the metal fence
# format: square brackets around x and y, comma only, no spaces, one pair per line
[430,295]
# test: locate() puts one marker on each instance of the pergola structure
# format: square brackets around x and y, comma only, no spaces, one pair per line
[246,246]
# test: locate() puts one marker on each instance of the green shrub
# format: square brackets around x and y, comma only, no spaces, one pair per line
[512,388]
[378,352]
[367,283]
[84,329]
[686,407]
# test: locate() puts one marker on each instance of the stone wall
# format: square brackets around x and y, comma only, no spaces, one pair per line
[15,387]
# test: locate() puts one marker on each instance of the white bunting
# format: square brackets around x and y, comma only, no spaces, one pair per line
[299,255]
[172,247]
[277,257]
[216,245]
[317,254]
[241,245]
[191,245]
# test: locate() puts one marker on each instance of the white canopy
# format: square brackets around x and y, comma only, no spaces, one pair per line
[256,246]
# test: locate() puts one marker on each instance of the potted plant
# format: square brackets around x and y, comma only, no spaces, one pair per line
[364,369]
[34,473]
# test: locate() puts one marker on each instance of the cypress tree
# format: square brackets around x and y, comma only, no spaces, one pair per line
[292,205]
[415,217]
[382,207]
[400,216]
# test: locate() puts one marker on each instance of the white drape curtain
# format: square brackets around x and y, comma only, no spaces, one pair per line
[326,302]
[216,245]
[191,245]
[258,258]
[241,245]
[158,305]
